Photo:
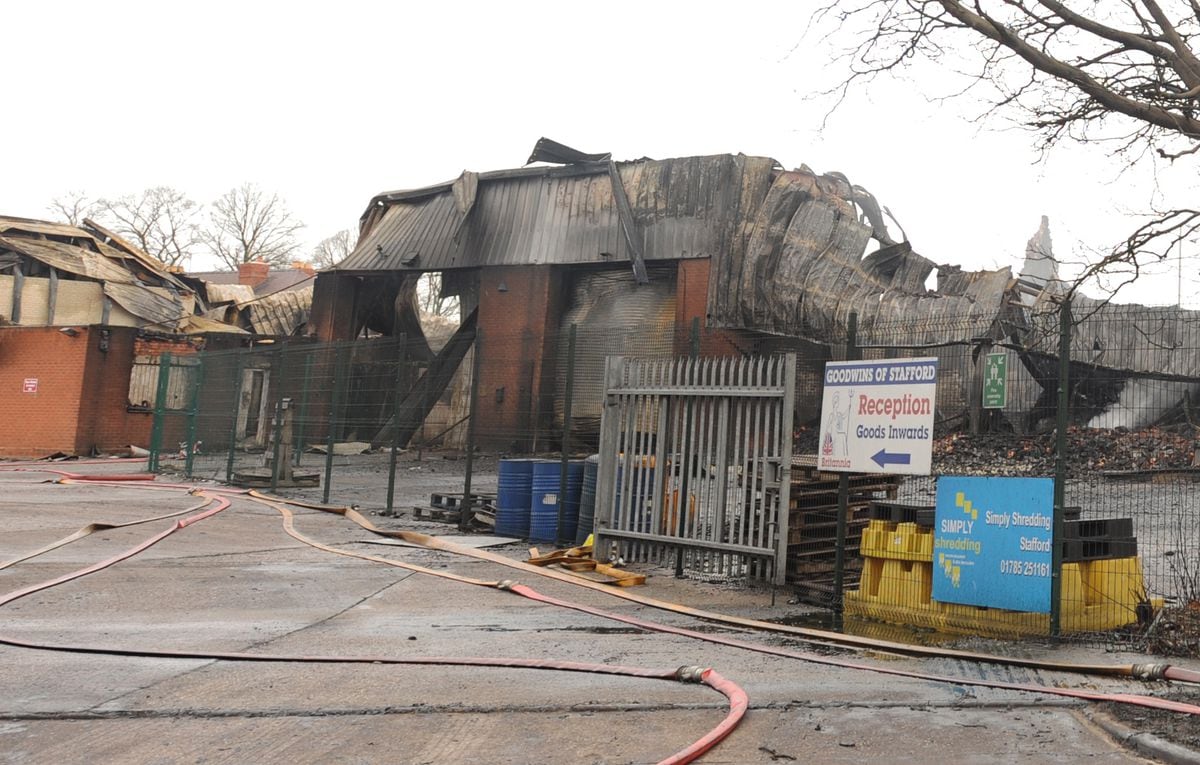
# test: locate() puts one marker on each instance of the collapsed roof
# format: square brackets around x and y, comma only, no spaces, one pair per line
[278,306]
[786,246]
[791,252]
[280,313]
[52,273]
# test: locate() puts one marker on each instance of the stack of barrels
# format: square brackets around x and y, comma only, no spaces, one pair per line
[528,499]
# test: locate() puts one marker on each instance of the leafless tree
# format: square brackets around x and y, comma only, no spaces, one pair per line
[1123,74]
[72,207]
[430,299]
[332,249]
[247,224]
[161,221]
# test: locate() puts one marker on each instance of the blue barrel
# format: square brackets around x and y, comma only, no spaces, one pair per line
[587,499]
[543,512]
[570,522]
[513,497]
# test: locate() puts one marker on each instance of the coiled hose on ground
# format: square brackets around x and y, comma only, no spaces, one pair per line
[1139,671]
[738,701]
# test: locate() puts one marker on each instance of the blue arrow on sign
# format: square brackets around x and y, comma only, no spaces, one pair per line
[883,458]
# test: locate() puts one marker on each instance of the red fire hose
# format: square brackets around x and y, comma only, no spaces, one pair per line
[738,701]
[1146,672]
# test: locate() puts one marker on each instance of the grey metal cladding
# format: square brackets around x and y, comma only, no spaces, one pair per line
[684,208]
[70,258]
[280,313]
[148,305]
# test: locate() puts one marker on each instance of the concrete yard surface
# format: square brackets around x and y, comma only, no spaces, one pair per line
[236,582]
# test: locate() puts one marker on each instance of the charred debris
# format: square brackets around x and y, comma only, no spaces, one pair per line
[788,256]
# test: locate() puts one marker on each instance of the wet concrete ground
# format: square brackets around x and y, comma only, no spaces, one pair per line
[236,582]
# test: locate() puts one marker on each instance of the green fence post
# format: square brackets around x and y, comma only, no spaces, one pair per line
[464,518]
[341,372]
[566,437]
[238,373]
[1060,465]
[843,509]
[277,418]
[302,414]
[194,414]
[160,411]
[276,444]
[401,359]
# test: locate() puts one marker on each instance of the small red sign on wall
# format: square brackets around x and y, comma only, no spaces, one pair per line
[30,385]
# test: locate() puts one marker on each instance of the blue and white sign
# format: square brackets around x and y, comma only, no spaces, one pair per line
[877,416]
[992,542]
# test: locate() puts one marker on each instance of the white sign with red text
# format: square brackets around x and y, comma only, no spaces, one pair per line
[877,416]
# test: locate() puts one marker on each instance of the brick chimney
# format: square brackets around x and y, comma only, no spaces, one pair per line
[305,266]
[253,273]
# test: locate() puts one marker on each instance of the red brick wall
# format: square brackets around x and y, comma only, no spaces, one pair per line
[35,424]
[514,323]
[102,409]
[334,303]
[156,346]
[691,292]
[691,301]
[105,423]
[82,391]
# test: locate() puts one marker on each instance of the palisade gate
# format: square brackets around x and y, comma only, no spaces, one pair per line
[695,464]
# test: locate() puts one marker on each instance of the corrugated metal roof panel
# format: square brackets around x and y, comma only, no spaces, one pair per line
[277,279]
[68,257]
[114,246]
[229,293]
[420,227]
[8,223]
[19,229]
[684,208]
[281,313]
[148,304]
[196,325]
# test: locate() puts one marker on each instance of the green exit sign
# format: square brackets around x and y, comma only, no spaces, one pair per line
[995,381]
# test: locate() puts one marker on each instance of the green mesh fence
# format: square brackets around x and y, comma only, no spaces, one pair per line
[1123,467]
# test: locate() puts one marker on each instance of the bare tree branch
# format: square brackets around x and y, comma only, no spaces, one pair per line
[1111,99]
[430,299]
[331,250]
[160,220]
[1125,76]
[1177,154]
[246,224]
[72,207]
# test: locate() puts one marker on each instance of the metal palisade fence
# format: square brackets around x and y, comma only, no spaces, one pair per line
[1097,401]
[695,462]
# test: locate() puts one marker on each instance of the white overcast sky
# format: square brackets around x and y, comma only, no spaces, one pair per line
[328,104]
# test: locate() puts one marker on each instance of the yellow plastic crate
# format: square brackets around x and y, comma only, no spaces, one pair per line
[899,541]
[1096,595]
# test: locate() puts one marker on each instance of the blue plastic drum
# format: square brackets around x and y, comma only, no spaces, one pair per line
[543,513]
[513,492]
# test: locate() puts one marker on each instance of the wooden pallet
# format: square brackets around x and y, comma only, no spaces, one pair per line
[455,501]
[438,514]
[812,520]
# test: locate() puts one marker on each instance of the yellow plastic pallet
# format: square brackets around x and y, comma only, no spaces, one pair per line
[899,541]
[1096,595]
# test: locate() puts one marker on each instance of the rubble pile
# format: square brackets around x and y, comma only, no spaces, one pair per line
[1176,631]
[1090,450]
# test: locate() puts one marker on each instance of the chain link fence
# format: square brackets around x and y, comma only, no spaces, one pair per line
[1116,439]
